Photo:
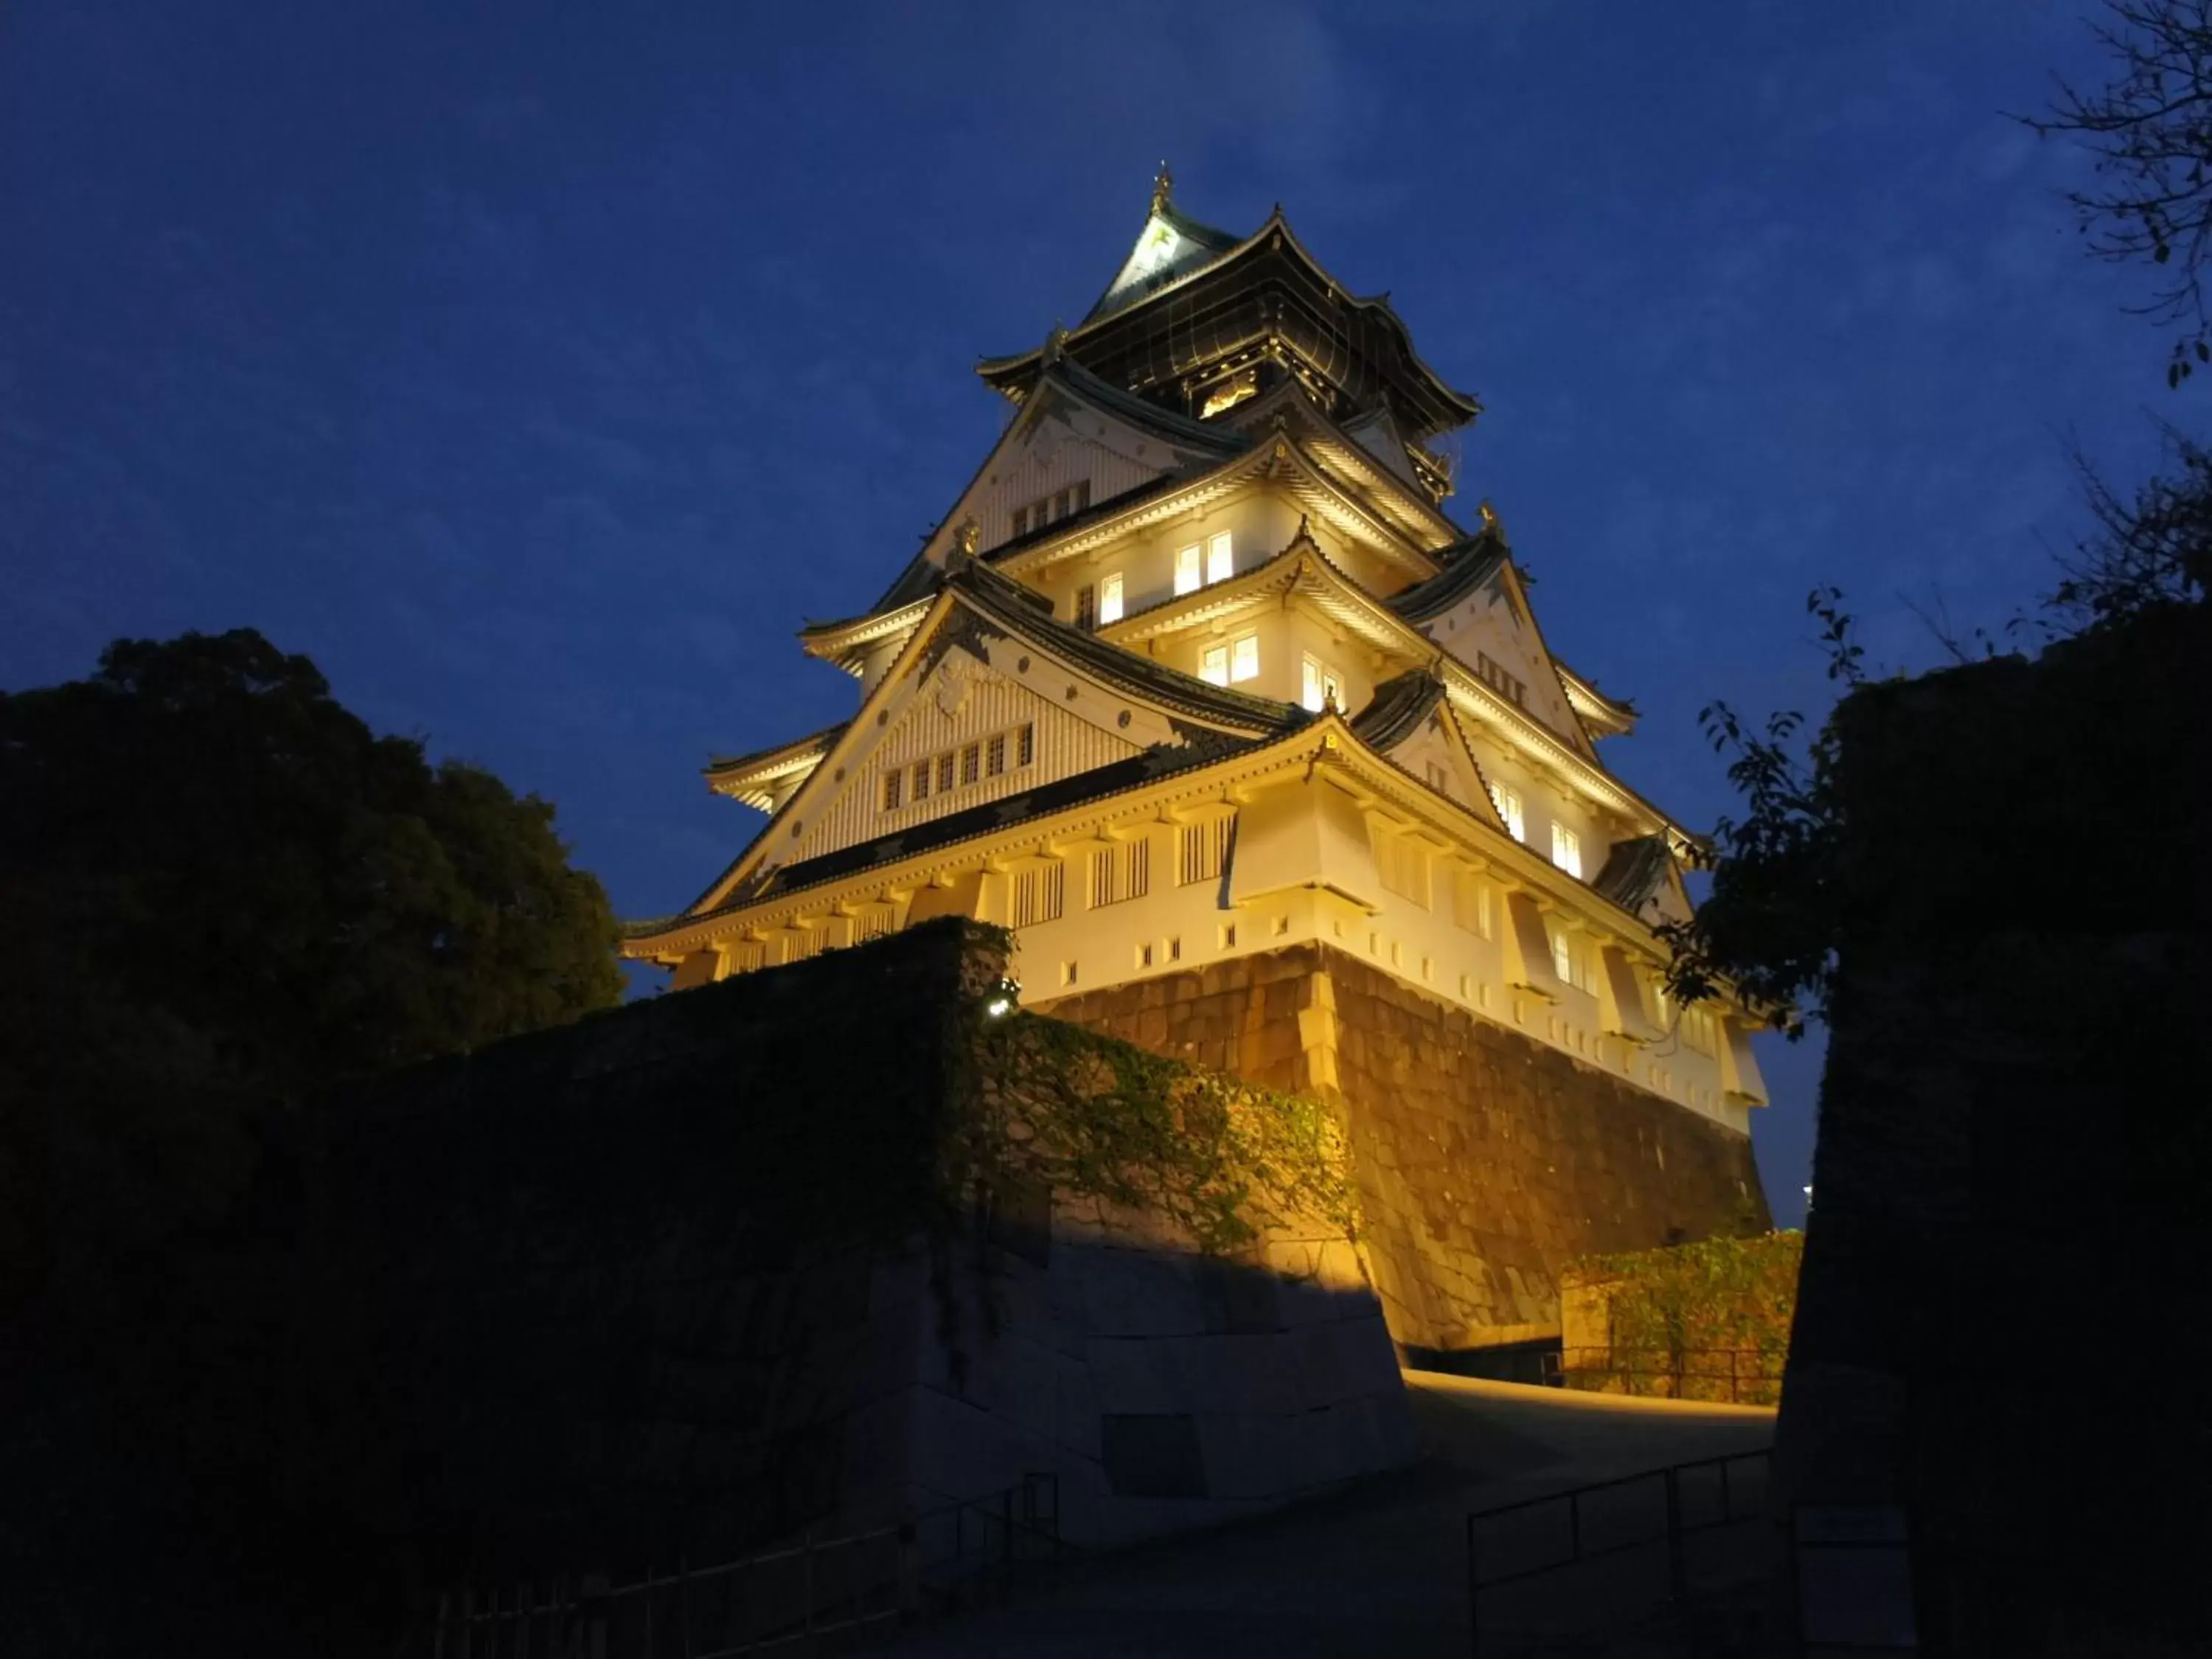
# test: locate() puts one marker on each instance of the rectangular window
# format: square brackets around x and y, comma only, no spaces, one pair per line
[892,790]
[1204,850]
[1086,607]
[1439,777]
[921,772]
[1471,903]
[1186,577]
[1571,960]
[1038,890]
[1567,849]
[1320,686]
[1244,659]
[1509,808]
[945,771]
[1121,871]
[1499,681]
[995,755]
[1220,565]
[1214,666]
[1402,865]
[1026,747]
[1110,599]
[971,762]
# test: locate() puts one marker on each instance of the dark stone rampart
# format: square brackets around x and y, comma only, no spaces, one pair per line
[2002,1323]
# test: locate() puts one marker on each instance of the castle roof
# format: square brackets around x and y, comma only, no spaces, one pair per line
[1190,300]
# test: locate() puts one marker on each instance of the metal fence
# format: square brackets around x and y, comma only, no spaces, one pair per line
[784,1600]
[1741,1376]
[1643,1550]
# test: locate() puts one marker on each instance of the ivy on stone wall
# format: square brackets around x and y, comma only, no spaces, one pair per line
[1669,1307]
[1049,1104]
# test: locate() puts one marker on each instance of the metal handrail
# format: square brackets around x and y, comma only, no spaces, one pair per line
[1674,1530]
[570,1611]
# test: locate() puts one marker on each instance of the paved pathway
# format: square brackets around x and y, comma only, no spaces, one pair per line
[1376,1569]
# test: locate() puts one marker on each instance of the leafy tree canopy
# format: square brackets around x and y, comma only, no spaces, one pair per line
[222,892]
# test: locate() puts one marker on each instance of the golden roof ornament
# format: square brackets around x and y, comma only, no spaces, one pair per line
[1162,187]
[967,535]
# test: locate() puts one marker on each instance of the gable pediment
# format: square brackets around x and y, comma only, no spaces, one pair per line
[986,667]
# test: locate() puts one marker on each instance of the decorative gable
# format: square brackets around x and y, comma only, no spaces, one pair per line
[967,734]
[1490,632]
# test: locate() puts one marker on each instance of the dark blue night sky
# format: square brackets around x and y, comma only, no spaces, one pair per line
[537,369]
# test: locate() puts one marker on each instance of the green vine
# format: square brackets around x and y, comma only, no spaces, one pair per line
[1045,1103]
[1737,1294]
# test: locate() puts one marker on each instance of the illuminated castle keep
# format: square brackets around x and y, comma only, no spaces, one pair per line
[1263,757]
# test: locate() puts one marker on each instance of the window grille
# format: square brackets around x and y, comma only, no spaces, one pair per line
[1086,607]
[1026,745]
[1499,681]
[971,762]
[995,755]
[945,771]
[1121,873]
[1204,850]
[921,775]
[1038,890]
[893,788]
[1221,563]
[1189,577]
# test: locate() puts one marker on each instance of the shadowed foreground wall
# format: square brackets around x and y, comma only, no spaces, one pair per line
[679,1279]
[1486,1162]
[2015,1147]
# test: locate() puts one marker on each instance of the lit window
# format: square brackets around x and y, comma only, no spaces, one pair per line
[1244,657]
[1110,599]
[1219,565]
[1562,957]
[1567,849]
[1187,569]
[1509,808]
[1321,686]
[1213,666]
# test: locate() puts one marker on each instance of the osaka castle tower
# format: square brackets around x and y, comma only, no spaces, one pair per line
[1260,750]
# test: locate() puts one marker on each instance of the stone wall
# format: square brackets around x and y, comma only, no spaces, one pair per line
[679,1281]
[1486,1161]
[2014,1147]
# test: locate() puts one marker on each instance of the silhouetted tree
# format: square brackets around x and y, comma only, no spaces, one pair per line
[2150,128]
[222,892]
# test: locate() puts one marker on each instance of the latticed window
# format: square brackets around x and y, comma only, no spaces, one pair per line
[893,784]
[1508,803]
[1567,849]
[1039,890]
[1087,606]
[995,755]
[1204,850]
[1121,873]
[1025,746]
[921,775]
[1471,903]
[945,771]
[971,762]
[1402,865]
